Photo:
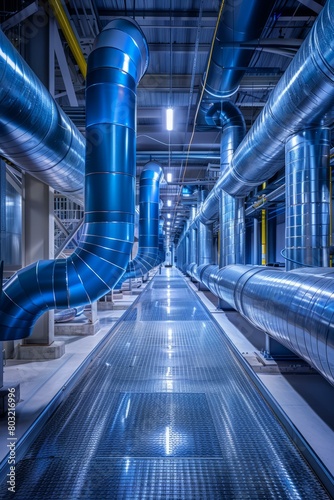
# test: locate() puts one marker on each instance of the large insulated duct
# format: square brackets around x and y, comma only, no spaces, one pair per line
[303,97]
[295,308]
[35,134]
[148,255]
[115,66]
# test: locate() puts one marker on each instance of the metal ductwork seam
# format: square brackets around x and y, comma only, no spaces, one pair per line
[116,64]
[303,97]
[35,134]
[148,255]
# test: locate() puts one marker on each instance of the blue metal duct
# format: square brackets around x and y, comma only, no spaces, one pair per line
[35,133]
[115,66]
[229,118]
[294,307]
[148,255]
[162,253]
[239,22]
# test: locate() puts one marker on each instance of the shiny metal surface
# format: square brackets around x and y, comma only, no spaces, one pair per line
[232,230]
[307,173]
[295,308]
[35,133]
[229,118]
[238,23]
[165,412]
[115,66]
[148,240]
[204,243]
[303,97]
[192,236]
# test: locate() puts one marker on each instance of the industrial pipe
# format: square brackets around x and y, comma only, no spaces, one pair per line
[307,173]
[35,134]
[115,66]
[148,245]
[227,63]
[226,116]
[295,308]
[303,98]
[69,35]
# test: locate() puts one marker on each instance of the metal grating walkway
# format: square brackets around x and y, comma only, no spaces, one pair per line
[165,412]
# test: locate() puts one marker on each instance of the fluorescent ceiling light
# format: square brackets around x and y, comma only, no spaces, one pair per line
[169,203]
[168,216]
[169,118]
[169,177]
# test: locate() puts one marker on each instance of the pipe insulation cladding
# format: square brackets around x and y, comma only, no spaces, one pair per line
[115,66]
[296,308]
[35,133]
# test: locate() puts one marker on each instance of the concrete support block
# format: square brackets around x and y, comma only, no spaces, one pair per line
[41,352]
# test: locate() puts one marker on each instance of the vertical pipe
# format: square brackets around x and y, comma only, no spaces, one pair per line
[232,228]
[204,236]
[263,237]
[240,230]
[69,35]
[307,198]
[256,242]
[192,237]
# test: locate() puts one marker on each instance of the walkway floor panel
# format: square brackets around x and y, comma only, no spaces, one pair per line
[166,411]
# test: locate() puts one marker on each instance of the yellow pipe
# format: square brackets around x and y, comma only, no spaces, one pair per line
[69,35]
[264,237]
[264,233]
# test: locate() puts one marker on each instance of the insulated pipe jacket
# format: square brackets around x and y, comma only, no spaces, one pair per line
[296,308]
[148,249]
[35,134]
[115,66]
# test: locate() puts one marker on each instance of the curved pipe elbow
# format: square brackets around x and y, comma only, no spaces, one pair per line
[115,66]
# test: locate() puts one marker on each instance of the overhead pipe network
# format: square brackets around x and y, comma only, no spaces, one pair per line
[294,307]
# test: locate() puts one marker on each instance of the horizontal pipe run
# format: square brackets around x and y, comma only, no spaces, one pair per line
[35,134]
[295,308]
